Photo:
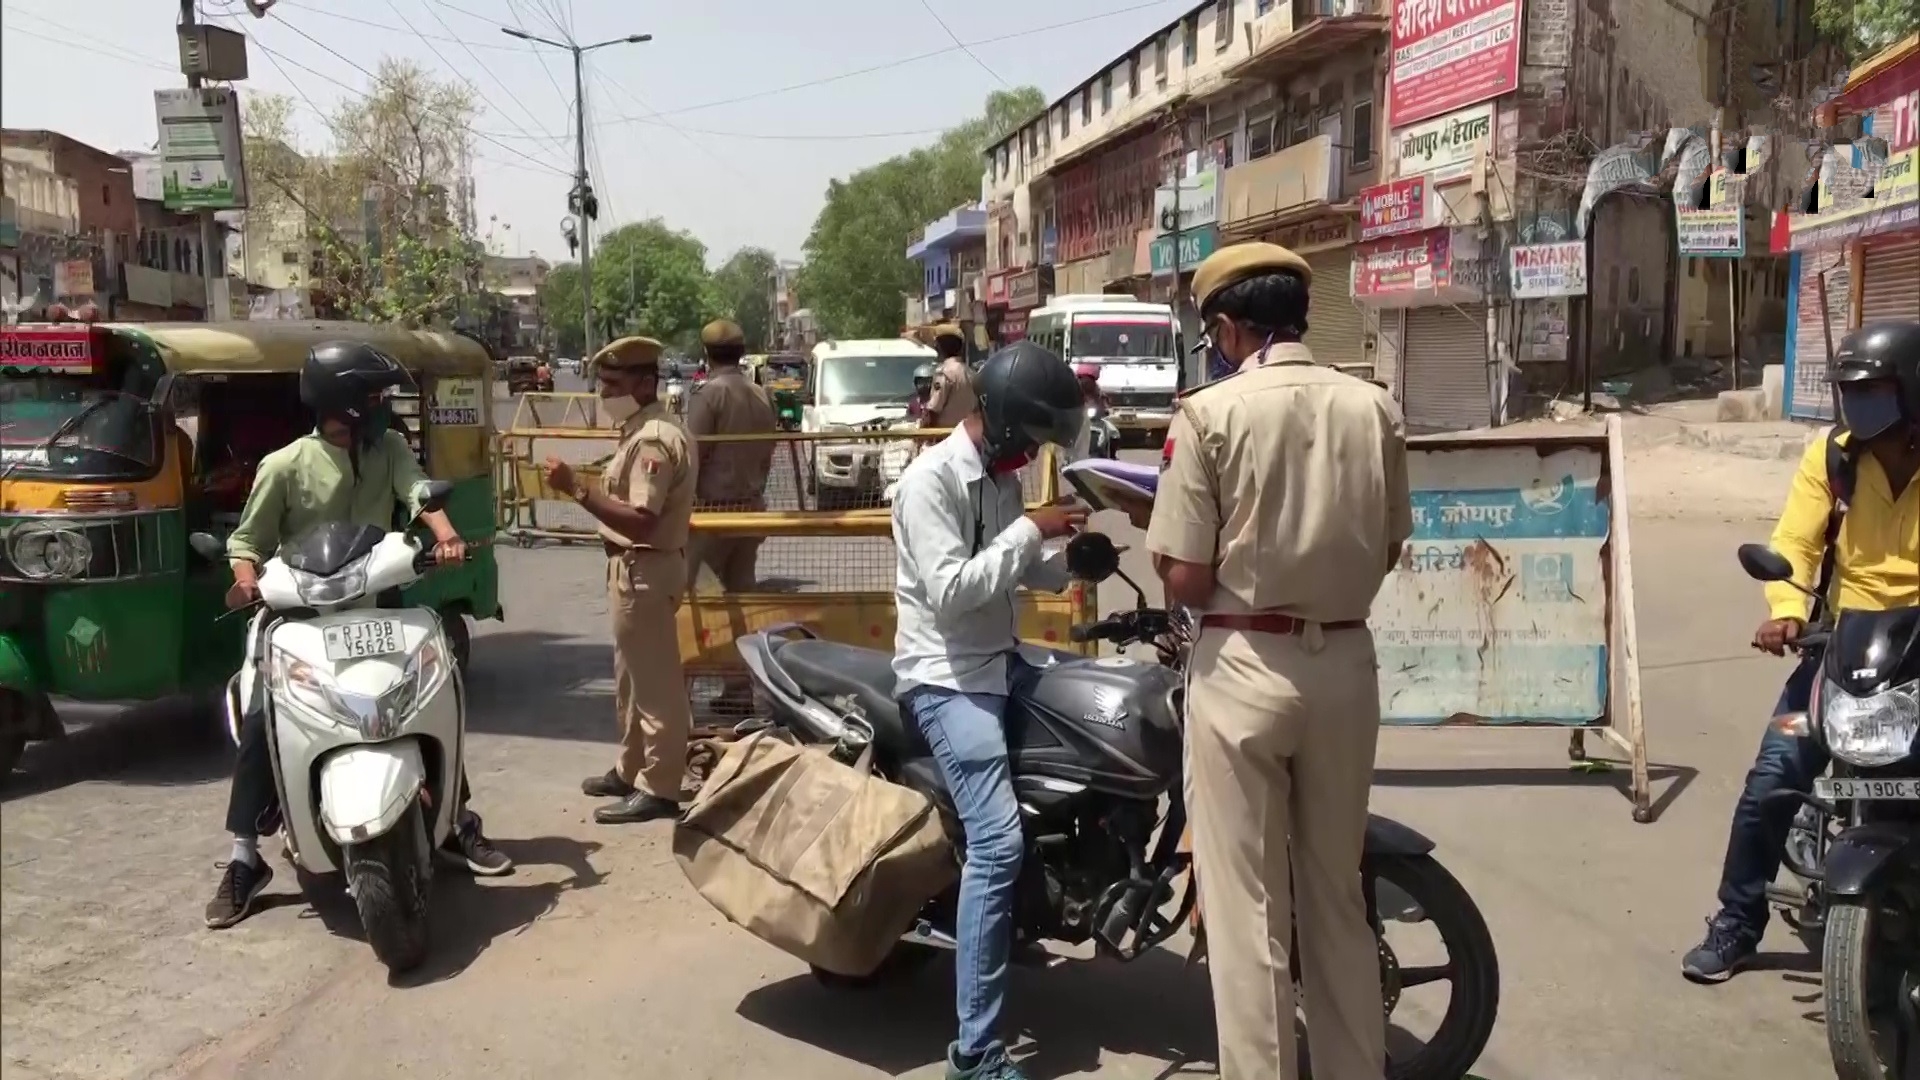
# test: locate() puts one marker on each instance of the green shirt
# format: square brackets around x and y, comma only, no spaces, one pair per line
[310,481]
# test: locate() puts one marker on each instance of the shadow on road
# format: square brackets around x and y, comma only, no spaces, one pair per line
[1615,775]
[537,683]
[468,914]
[162,744]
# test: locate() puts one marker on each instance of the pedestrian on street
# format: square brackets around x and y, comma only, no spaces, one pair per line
[644,504]
[966,544]
[733,475]
[1282,506]
[1855,547]
[952,398]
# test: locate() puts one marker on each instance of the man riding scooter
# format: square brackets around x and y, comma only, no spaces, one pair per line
[353,467]
[922,390]
[1848,528]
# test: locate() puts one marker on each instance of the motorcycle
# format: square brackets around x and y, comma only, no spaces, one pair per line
[1096,748]
[1856,842]
[366,716]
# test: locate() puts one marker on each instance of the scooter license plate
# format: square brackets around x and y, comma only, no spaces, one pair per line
[362,639]
[1866,790]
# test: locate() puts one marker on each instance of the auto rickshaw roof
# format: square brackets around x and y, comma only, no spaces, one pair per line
[281,346]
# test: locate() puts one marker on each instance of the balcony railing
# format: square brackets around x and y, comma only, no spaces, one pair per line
[1295,180]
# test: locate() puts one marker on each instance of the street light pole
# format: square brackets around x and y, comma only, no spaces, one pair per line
[581,201]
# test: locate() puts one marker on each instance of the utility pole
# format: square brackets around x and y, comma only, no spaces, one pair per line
[580,202]
[210,269]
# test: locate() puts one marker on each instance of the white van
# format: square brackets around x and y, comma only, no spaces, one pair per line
[859,386]
[1135,344]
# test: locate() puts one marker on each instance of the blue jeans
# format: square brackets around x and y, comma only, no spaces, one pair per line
[970,745]
[1758,839]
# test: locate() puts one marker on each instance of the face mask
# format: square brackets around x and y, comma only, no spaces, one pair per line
[1869,414]
[374,422]
[619,409]
[1012,463]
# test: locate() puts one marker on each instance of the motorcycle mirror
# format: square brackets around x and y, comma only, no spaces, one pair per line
[1762,563]
[437,492]
[1092,556]
[207,546]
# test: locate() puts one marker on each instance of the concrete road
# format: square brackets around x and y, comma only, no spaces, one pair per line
[596,960]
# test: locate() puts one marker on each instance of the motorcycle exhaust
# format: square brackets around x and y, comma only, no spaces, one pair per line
[923,933]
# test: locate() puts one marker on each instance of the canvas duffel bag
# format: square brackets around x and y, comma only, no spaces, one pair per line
[827,861]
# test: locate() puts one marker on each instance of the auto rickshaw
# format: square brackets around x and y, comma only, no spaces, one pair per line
[528,374]
[785,377]
[117,441]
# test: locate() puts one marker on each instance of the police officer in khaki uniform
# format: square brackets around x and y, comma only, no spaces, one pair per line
[643,506]
[952,399]
[1282,505]
[733,475]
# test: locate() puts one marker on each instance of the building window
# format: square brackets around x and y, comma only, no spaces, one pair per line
[1160,58]
[1633,285]
[106,195]
[1302,128]
[1106,93]
[1223,24]
[1190,46]
[1066,122]
[1261,7]
[1133,78]
[290,258]
[1361,138]
[1086,107]
[1259,137]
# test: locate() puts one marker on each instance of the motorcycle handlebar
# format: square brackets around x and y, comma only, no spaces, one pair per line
[1104,629]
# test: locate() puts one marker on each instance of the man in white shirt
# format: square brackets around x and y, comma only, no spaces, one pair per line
[966,544]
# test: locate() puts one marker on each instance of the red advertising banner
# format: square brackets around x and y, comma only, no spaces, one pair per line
[1393,208]
[1448,54]
[1404,264]
[67,350]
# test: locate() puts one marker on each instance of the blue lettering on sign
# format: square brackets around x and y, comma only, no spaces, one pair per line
[1565,509]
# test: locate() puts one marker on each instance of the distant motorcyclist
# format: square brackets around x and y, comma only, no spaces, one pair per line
[922,390]
[1090,392]
[1859,547]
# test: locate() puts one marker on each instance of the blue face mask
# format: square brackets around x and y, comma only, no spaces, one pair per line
[1868,411]
[1220,365]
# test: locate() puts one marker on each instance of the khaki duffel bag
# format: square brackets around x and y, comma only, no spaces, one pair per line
[826,861]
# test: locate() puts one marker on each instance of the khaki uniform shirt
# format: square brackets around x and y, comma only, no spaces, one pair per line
[733,475]
[656,469]
[1292,483]
[952,397]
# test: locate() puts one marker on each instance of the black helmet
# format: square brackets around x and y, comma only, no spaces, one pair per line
[1886,351]
[341,380]
[1028,396]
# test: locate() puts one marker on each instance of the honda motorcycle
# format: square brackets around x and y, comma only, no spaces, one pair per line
[1097,757]
[1856,841]
[366,718]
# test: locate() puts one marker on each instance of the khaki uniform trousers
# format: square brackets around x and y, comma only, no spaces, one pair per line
[1281,731]
[735,561]
[650,689]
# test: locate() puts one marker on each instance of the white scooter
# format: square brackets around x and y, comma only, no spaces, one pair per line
[367,720]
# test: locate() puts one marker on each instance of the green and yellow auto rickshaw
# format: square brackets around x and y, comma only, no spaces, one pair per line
[119,440]
[785,377]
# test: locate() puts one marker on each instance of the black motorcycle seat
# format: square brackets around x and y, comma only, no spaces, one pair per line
[829,669]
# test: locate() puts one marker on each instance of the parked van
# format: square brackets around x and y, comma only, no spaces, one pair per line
[1136,345]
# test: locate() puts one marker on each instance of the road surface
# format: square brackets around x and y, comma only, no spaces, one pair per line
[596,960]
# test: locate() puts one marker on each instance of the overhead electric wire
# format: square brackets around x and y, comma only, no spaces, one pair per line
[539,54]
[395,29]
[96,48]
[974,56]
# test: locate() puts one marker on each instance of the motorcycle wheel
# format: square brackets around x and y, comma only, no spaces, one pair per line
[1472,968]
[1862,1025]
[390,878]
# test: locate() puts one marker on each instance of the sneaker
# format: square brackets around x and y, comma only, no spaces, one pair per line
[609,786]
[239,890]
[469,847]
[992,1065]
[1728,948]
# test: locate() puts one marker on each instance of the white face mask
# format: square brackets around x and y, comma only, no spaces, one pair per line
[618,410]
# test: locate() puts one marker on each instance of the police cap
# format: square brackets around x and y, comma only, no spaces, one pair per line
[1232,265]
[722,333]
[628,353]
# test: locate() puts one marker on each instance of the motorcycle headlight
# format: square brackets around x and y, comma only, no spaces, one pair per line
[43,551]
[1870,731]
[375,716]
[348,583]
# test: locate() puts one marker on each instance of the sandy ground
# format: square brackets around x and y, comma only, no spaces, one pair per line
[597,960]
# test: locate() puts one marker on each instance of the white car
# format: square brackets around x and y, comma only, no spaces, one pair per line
[859,386]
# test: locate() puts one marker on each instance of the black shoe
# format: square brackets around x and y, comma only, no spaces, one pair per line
[609,786]
[239,890]
[470,848]
[1728,948]
[636,808]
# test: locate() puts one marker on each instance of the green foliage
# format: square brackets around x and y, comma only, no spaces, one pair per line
[560,299]
[648,279]
[745,287]
[379,211]
[1864,27]
[857,269]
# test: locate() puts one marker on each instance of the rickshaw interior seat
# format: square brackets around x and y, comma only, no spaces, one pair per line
[826,669]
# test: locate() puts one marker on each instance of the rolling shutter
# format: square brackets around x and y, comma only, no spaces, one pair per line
[1444,368]
[1335,328]
[1890,281]
[1810,396]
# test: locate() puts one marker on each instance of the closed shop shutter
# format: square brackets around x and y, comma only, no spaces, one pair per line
[1388,349]
[1335,327]
[1811,397]
[1444,368]
[1890,280]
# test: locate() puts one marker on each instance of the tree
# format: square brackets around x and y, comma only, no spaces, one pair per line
[560,299]
[1864,27]
[652,280]
[384,207]
[857,269]
[744,284]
